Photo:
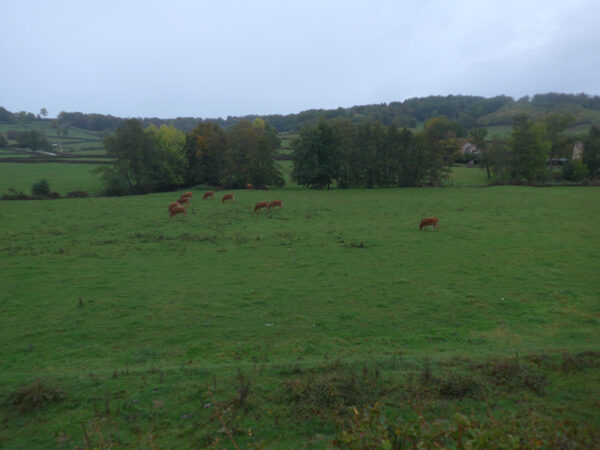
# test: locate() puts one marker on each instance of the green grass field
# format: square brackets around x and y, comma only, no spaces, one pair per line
[62,178]
[463,176]
[152,331]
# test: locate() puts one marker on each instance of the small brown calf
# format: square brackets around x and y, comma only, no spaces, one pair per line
[433,221]
[261,205]
[227,197]
[209,194]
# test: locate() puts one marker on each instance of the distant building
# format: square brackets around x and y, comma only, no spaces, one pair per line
[577,151]
[469,147]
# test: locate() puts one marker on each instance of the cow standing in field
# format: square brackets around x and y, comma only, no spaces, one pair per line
[177,210]
[433,221]
[261,205]
[183,200]
[209,194]
[275,203]
[249,186]
[173,205]
[227,197]
[187,194]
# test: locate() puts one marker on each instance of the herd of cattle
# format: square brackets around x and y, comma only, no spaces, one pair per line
[179,208]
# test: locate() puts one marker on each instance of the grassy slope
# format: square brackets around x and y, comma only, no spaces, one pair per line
[171,306]
[78,141]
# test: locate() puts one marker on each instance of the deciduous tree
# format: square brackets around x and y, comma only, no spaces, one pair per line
[140,162]
[440,141]
[555,125]
[262,170]
[32,139]
[530,149]
[171,144]
[591,151]
[314,156]
[206,150]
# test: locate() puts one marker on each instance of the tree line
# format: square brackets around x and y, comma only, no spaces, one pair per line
[469,111]
[337,153]
[528,155]
[164,158]
[370,154]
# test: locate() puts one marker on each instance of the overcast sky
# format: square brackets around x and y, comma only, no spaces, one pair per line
[218,58]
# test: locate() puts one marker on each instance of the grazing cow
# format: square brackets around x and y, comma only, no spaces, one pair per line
[275,203]
[187,194]
[177,210]
[227,197]
[209,194]
[183,200]
[173,205]
[261,205]
[433,221]
[249,186]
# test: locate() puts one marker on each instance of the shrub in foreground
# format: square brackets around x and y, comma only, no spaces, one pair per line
[33,396]
[40,188]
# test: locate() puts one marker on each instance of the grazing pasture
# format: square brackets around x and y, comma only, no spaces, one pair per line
[463,176]
[139,330]
[62,178]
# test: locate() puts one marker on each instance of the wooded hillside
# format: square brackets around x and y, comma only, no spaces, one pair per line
[469,111]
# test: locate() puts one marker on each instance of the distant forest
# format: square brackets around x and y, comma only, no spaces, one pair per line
[469,111]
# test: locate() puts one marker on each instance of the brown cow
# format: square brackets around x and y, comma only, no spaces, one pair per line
[433,221]
[275,203]
[173,205]
[209,194]
[227,197]
[177,210]
[183,200]
[249,186]
[187,194]
[261,205]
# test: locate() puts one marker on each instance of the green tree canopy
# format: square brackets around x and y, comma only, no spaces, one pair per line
[530,149]
[171,144]
[314,153]
[140,161]
[206,152]
[555,125]
[32,139]
[262,170]
[439,138]
[591,151]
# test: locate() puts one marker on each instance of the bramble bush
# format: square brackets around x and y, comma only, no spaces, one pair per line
[369,429]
